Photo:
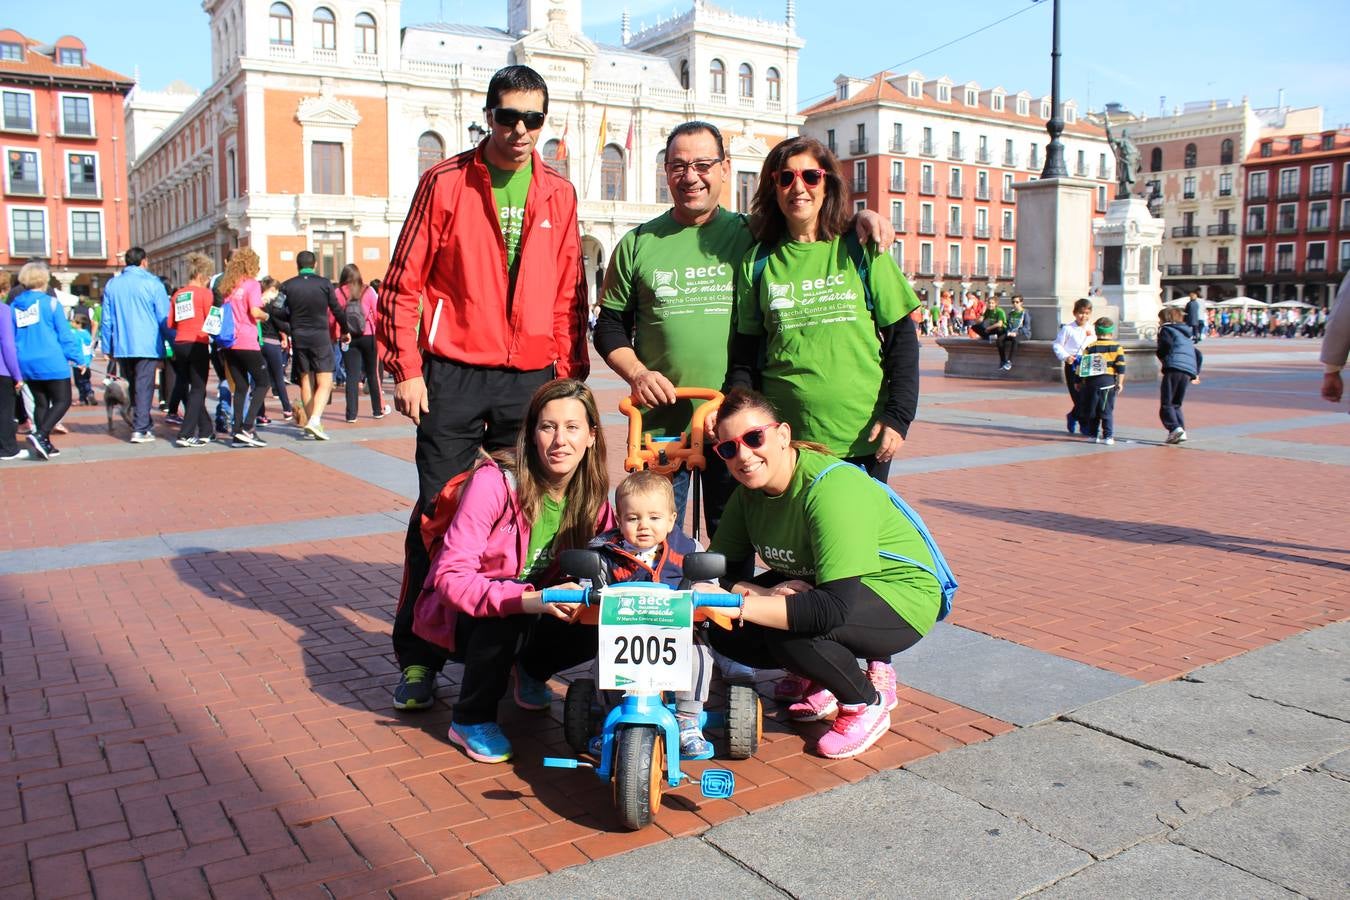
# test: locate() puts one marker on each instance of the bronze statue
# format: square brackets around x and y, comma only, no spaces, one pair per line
[1127,160]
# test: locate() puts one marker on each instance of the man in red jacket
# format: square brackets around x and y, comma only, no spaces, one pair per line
[483,302]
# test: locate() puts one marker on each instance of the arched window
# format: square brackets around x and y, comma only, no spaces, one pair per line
[430,150]
[281,25]
[775,84]
[662,186]
[719,76]
[366,34]
[612,168]
[746,80]
[1155,160]
[325,29]
[684,74]
[1190,156]
[554,155]
[1226,152]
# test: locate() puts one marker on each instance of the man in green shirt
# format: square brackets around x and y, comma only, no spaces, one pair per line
[665,316]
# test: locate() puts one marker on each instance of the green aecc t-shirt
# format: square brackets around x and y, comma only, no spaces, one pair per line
[509,190]
[677,281]
[831,531]
[539,552]
[823,361]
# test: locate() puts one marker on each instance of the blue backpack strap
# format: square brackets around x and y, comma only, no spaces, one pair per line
[859,257]
[940,570]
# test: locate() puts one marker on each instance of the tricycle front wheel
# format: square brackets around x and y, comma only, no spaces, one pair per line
[639,768]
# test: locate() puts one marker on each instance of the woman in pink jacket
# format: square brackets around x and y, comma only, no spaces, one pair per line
[359,353]
[515,514]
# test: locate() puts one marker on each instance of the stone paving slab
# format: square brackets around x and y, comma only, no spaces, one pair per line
[371,466]
[896,835]
[687,867]
[1089,790]
[1005,680]
[1294,833]
[1160,869]
[1219,727]
[1338,764]
[1310,671]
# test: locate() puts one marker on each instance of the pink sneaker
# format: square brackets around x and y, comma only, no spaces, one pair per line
[816,704]
[790,687]
[882,676]
[857,727]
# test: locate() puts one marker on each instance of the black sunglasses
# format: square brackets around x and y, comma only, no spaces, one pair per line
[754,438]
[809,177]
[507,118]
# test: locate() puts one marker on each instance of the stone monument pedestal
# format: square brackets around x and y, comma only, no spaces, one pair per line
[1129,245]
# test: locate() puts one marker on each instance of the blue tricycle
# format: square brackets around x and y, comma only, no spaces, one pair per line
[638,745]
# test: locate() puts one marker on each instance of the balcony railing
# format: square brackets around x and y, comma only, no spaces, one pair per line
[1315,265]
[981,271]
[1319,190]
[955,229]
[1188,195]
[1258,196]
[1183,269]
[860,185]
[952,269]
[897,185]
[1286,228]
[1324,225]
[926,148]
[956,151]
[1104,172]
[1218,268]
[858,147]
[924,268]
[898,225]
[927,187]
[982,193]
[1226,191]
[1221,229]
[1034,162]
[981,231]
[1186,231]
[1009,195]
[926,227]
[1288,193]
[1254,229]
[1007,233]
[1254,268]
[900,146]
[1081,170]
[1010,159]
[1284,267]
[956,190]
[982,156]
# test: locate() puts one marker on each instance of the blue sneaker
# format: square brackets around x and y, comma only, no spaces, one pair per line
[416,689]
[531,693]
[693,745]
[483,743]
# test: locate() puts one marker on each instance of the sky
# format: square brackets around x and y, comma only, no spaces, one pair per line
[1171,51]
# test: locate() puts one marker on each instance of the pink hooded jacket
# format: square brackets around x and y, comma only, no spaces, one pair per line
[474,570]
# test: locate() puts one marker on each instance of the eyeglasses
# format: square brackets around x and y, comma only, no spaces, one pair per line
[809,177]
[700,167]
[753,438]
[507,117]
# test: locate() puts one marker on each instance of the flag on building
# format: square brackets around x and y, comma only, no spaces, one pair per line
[628,142]
[600,137]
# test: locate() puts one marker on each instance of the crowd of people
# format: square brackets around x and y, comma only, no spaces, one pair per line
[257,334]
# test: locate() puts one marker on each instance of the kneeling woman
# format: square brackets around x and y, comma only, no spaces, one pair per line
[831,596]
[482,595]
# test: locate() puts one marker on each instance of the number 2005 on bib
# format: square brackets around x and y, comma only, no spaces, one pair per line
[646,637]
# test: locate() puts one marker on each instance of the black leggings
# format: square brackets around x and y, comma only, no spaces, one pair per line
[357,358]
[192,366]
[487,648]
[52,400]
[869,629]
[276,368]
[246,364]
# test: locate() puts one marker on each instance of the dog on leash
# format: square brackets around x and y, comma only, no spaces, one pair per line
[115,396]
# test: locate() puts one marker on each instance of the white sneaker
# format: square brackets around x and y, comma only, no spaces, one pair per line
[315,430]
[1181,435]
[1109,441]
[17,454]
[142,437]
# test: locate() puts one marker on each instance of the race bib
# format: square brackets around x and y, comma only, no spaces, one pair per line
[646,639]
[182,307]
[25,317]
[213,322]
[1090,364]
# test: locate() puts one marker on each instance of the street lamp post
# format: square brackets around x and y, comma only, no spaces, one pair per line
[476,134]
[1054,151]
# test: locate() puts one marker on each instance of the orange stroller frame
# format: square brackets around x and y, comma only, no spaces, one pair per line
[666,457]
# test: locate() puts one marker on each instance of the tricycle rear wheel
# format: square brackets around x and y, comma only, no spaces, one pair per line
[745,721]
[639,768]
[579,714]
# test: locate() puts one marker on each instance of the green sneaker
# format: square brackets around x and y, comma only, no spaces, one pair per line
[416,689]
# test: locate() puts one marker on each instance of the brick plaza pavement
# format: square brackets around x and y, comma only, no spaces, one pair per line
[197,683]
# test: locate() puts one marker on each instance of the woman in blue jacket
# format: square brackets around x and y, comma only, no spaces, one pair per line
[46,346]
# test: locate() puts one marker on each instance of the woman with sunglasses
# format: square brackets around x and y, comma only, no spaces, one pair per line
[840,354]
[831,595]
[515,514]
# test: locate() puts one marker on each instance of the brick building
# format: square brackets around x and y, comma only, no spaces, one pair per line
[1296,235]
[65,166]
[941,158]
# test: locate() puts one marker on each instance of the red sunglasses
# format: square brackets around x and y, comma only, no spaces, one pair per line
[809,177]
[753,438]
